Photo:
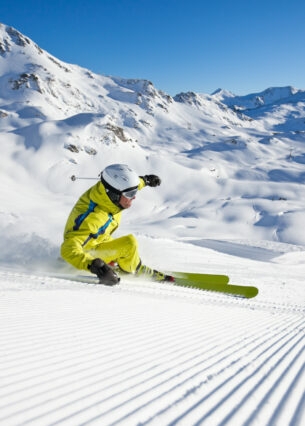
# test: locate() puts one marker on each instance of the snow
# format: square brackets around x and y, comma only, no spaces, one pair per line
[231,202]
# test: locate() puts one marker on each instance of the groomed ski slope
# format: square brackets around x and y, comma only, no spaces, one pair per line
[153,354]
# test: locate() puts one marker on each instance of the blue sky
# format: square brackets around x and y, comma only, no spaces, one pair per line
[243,46]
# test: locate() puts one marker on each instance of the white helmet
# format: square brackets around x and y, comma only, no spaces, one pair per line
[119,179]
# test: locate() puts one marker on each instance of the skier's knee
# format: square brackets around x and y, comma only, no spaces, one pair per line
[131,241]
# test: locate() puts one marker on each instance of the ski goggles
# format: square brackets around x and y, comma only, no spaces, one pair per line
[130,193]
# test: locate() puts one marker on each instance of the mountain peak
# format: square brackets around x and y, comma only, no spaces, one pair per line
[222,93]
[11,38]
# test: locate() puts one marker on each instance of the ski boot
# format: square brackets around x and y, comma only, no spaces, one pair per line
[153,274]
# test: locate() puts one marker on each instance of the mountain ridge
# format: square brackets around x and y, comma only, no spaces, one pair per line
[135,88]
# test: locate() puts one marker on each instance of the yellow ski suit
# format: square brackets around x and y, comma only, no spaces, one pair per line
[88,230]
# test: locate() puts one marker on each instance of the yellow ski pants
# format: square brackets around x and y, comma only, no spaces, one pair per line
[123,250]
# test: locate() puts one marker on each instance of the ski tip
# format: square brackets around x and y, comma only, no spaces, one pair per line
[253,293]
[246,292]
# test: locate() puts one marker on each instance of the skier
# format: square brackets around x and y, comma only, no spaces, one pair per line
[88,243]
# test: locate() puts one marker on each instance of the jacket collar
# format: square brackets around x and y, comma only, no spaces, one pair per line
[99,196]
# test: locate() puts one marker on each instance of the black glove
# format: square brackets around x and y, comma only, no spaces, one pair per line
[105,274]
[151,180]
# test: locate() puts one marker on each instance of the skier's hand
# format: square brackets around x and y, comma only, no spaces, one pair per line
[151,180]
[104,272]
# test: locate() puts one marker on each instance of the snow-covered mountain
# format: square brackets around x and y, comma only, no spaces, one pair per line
[232,166]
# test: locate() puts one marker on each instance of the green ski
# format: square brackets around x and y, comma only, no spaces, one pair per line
[209,282]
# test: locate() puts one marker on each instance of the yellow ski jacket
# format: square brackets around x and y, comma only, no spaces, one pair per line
[91,222]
